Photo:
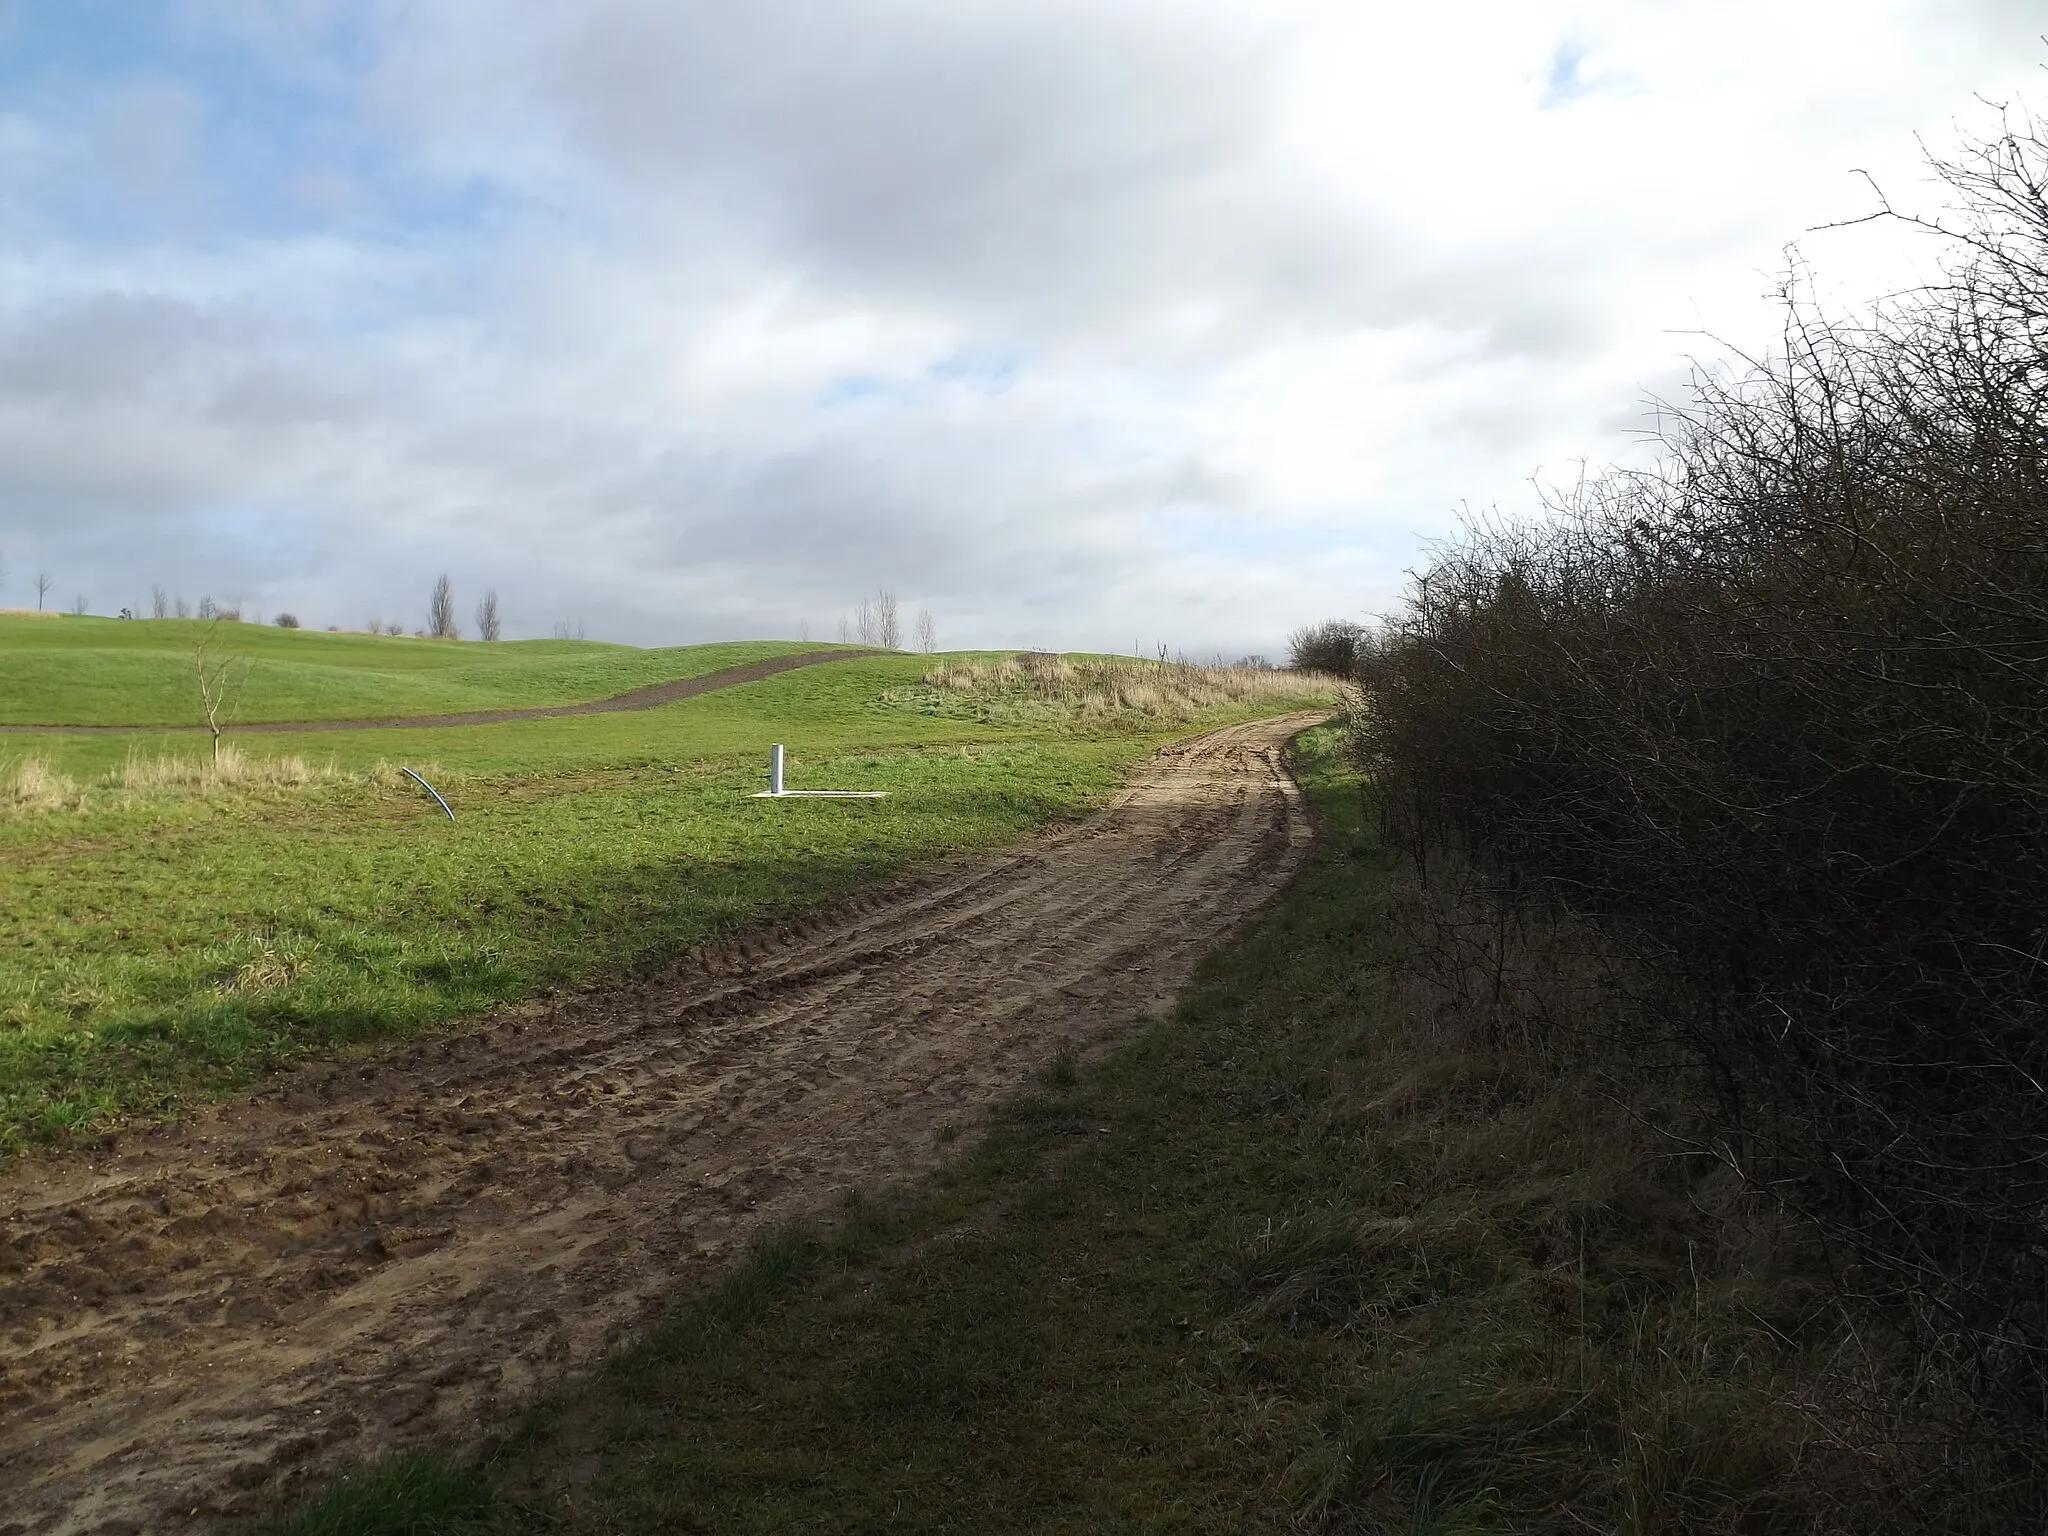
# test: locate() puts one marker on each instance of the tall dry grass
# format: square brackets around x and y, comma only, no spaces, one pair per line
[1101,689]
[32,785]
[231,768]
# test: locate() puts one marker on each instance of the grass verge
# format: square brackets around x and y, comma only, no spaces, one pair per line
[1334,1249]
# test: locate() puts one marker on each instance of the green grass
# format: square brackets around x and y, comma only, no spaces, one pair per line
[159,949]
[1310,1256]
[90,671]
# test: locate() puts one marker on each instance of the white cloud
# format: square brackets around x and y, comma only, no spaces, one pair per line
[1082,325]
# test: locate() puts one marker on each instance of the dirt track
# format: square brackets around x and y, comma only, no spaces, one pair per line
[369,1255]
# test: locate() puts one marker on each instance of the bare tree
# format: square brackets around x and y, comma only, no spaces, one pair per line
[159,604]
[184,609]
[845,635]
[44,581]
[220,679]
[209,610]
[888,631]
[441,610]
[487,627]
[927,632]
[864,621]
[569,631]
[78,605]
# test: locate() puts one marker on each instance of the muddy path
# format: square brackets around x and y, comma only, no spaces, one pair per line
[370,1254]
[650,697]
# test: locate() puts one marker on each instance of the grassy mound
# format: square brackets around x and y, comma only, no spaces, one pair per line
[88,671]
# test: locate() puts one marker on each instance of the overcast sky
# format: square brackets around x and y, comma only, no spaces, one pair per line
[1083,323]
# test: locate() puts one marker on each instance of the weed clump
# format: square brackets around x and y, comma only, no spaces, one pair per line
[35,786]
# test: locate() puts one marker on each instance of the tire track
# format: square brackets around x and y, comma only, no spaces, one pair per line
[370,1254]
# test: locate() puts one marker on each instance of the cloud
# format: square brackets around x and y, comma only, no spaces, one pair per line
[1064,320]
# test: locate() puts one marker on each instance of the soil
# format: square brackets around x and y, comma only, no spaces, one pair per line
[368,1254]
[650,697]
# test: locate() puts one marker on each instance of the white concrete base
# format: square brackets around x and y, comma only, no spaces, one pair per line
[821,794]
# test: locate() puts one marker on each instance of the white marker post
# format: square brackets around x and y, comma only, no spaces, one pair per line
[775,791]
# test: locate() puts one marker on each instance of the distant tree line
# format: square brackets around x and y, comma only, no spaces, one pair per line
[878,622]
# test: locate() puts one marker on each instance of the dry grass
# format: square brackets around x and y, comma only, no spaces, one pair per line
[1615,1330]
[32,785]
[270,968]
[1693,1351]
[230,769]
[36,786]
[1039,685]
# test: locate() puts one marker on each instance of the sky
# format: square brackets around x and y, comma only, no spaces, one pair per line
[1082,324]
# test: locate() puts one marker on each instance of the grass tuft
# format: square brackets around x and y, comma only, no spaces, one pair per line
[421,1494]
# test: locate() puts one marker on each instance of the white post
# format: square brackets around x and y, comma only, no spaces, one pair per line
[775,769]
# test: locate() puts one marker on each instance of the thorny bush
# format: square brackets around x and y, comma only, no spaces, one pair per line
[1776,714]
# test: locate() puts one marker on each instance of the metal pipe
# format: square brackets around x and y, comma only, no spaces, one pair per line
[423,784]
[775,769]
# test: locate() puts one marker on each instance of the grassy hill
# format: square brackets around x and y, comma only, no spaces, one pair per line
[168,933]
[90,671]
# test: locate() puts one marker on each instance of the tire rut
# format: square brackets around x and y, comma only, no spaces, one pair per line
[369,1254]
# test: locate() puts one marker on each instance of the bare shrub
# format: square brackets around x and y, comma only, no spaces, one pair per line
[1773,715]
[441,610]
[286,621]
[221,677]
[487,625]
[1331,647]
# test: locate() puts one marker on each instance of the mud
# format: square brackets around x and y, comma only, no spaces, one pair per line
[371,1254]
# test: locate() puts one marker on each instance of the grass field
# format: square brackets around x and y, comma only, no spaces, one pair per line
[175,940]
[1322,1253]
[90,671]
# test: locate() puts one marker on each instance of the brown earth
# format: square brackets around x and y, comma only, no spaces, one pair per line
[650,697]
[370,1254]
